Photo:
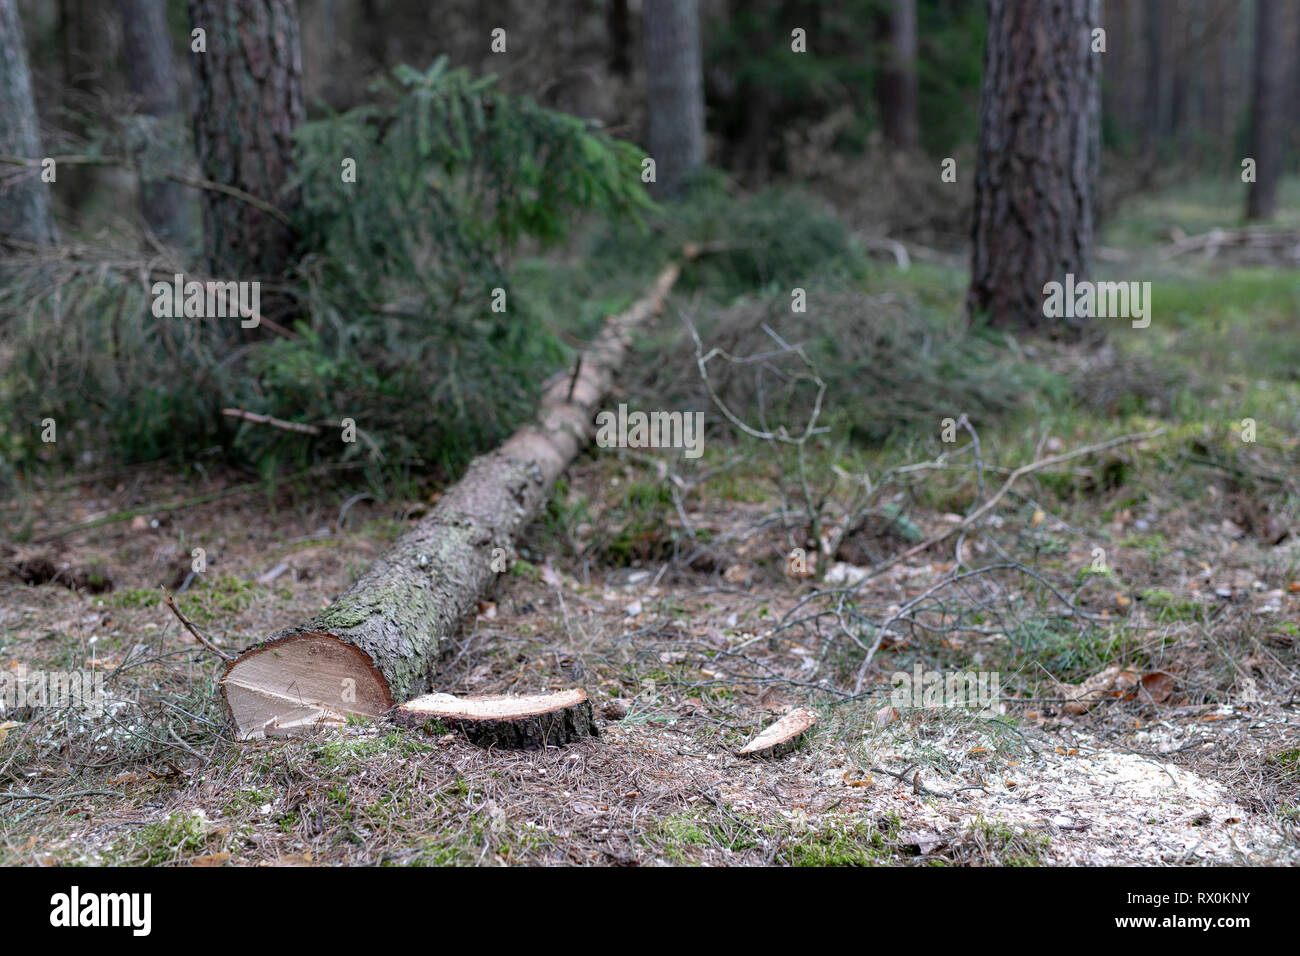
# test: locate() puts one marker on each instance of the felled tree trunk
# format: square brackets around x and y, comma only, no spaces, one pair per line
[377,644]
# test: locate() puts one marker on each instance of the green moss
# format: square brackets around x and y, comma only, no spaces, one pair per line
[839,843]
[177,836]
[1171,608]
[135,597]
[1002,844]
[342,753]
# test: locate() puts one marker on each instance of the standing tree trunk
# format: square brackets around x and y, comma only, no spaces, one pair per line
[81,32]
[675,91]
[619,26]
[1153,109]
[24,203]
[156,138]
[247,104]
[896,93]
[1266,123]
[1035,179]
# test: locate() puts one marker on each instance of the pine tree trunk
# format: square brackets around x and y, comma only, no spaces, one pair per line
[1035,180]
[80,31]
[247,104]
[1153,109]
[1266,121]
[675,92]
[156,138]
[897,90]
[619,25]
[24,204]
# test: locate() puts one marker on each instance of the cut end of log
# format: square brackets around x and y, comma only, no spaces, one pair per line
[515,722]
[781,737]
[301,682]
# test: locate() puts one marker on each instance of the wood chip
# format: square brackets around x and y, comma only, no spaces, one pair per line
[517,722]
[781,737]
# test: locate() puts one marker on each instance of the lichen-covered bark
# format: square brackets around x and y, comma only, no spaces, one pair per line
[399,613]
[411,598]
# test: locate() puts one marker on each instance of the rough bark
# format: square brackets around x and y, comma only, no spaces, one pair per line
[674,92]
[24,203]
[1266,110]
[247,104]
[507,721]
[156,135]
[896,92]
[1035,179]
[377,644]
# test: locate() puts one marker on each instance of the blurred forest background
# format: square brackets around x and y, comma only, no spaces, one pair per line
[378,307]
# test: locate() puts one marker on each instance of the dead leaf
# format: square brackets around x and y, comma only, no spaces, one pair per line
[211,859]
[1158,685]
[885,716]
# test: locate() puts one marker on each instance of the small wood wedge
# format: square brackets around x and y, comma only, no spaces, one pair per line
[515,722]
[781,737]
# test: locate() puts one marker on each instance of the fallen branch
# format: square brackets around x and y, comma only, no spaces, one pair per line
[1211,242]
[171,603]
[1015,476]
[377,644]
[192,181]
[271,420]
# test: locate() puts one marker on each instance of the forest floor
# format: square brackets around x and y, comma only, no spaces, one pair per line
[662,587]
[684,669]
